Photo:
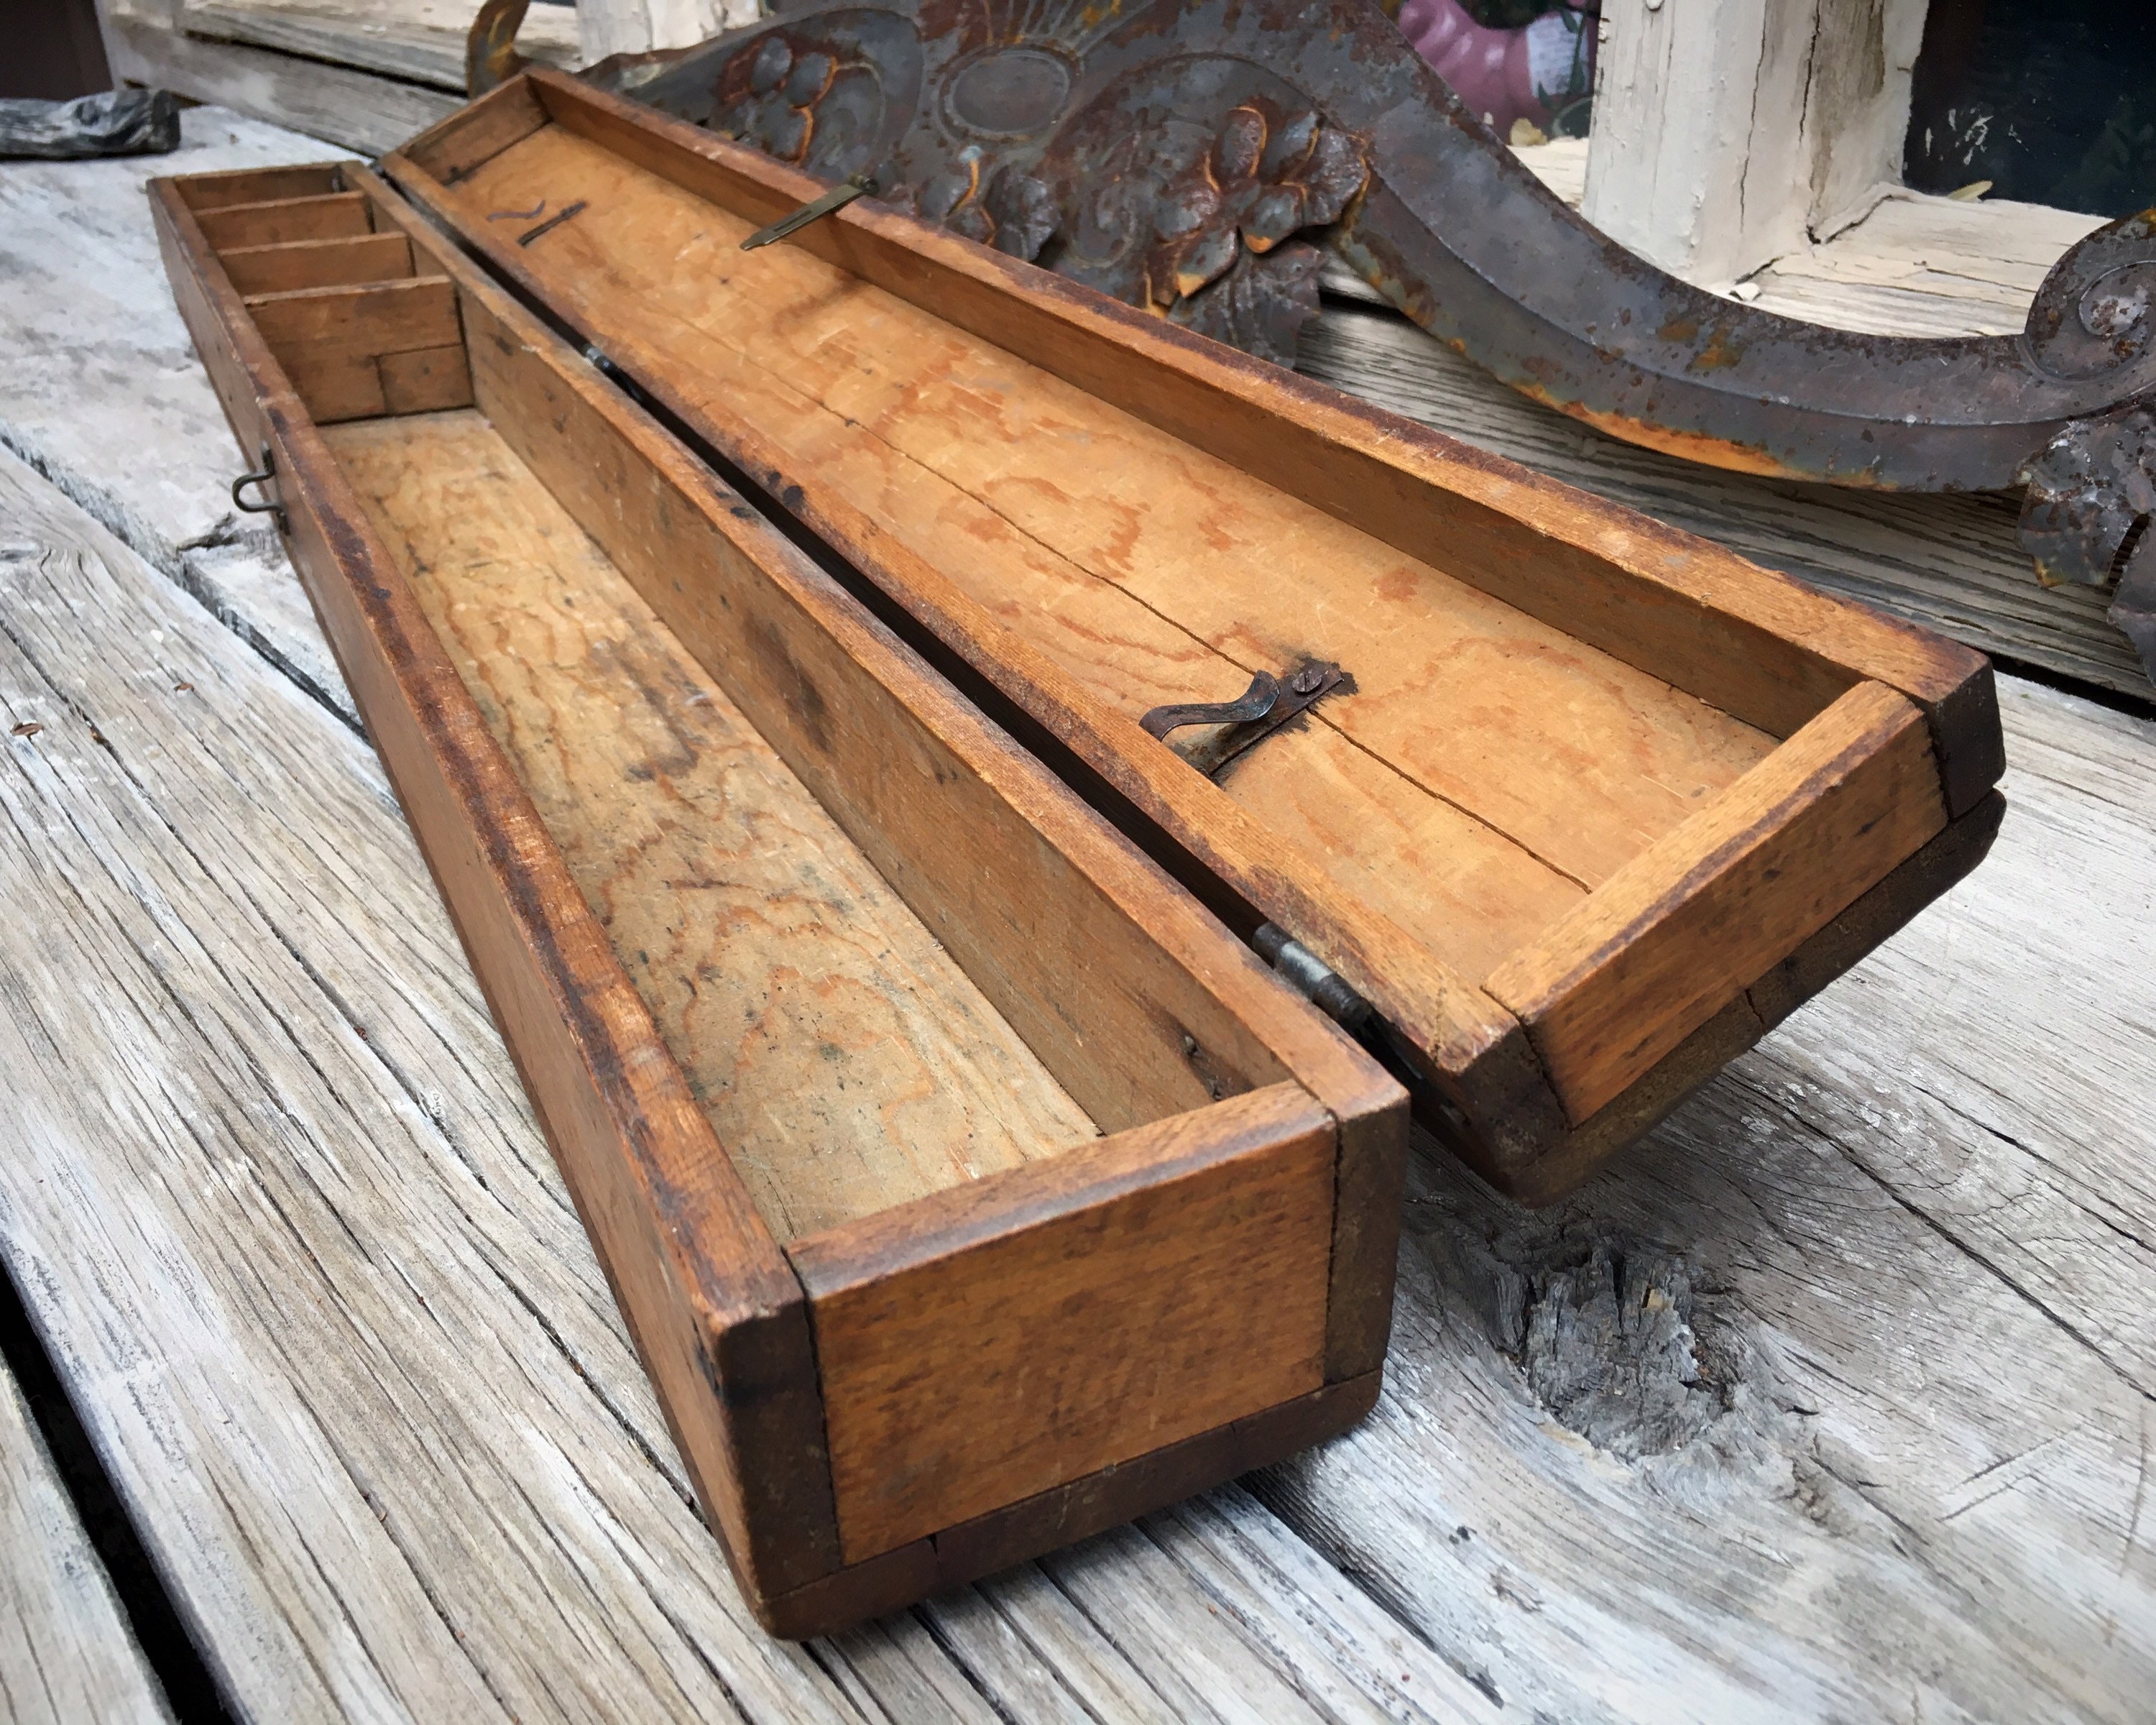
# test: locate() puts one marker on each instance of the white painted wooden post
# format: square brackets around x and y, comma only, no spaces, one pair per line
[1729,132]
[605,27]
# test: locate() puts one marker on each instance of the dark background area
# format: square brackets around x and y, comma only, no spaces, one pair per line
[52,49]
[2053,101]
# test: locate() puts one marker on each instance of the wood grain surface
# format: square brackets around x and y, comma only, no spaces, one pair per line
[354,353]
[1474,1046]
[351,109]
[1088,952]
[1682,931]
[998,1340]
[845,1061]
[280,220]
[390,1281]
[319,263]
[66,1652]
[1755,645]
[1950,562]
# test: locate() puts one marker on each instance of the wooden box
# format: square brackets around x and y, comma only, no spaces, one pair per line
[967,1187]
[1602,803]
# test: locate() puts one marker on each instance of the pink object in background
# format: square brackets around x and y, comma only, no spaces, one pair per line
[1504,76]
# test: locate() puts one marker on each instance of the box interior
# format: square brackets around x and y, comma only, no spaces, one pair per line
[846,1057]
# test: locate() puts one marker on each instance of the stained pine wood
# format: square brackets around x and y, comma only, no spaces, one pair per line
[1767,650]
[1219,1606]
[1682,932]
[276,221]
[399,1446]
[926,390]
[1060,942]
[1052,922]
[66,1653]
[319,263]
[1196,1249]
[1164,573]
[222,189]
[845,1061]
[691,1258]
[1475,1046]
[480,131]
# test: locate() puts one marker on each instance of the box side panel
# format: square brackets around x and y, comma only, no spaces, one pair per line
[1680,932]
[1071,1316]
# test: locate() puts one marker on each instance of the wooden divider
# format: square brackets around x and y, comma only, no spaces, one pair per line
[345,261]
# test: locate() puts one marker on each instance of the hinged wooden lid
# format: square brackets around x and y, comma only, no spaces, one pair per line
[1584,804]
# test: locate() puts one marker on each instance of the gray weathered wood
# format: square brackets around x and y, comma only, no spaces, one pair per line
[420,40]
[1887,1281]
[360,111]
[1847,1418]
[394,1451]
[66,1654]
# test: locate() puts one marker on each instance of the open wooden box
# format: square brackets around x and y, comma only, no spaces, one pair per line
[759,644]
[1603,803]
[967,1187]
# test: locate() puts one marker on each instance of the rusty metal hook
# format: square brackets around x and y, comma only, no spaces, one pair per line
[1255,703]
[265,476]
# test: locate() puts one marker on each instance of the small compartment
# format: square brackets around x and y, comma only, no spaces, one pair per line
[358,330]
[967,1187]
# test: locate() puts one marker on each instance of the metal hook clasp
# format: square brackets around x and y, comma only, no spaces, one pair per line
[1268,703]
[268,474]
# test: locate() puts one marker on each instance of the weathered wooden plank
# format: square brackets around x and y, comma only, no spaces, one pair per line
[66,1654]
[1833,1399]
[422,41]
[1899,1217]
[397,1453]
[354,110]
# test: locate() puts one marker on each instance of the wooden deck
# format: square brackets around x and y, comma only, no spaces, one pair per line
[1831,1401]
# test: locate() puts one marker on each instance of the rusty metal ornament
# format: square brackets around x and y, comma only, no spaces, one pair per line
[1188,157]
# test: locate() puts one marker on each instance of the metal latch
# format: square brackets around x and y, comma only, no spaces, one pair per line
[266,476]
[1269,703]
[859,185]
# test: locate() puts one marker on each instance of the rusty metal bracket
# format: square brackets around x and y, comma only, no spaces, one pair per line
[1255,702]
[1267,704]
[1190,157]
